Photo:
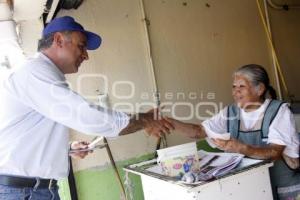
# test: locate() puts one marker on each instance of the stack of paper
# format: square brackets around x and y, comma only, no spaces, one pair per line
[220,166]
[213,165]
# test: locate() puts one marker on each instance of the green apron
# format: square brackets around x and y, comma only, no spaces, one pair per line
[285,182]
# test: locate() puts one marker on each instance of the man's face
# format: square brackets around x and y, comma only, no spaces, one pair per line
[73,52]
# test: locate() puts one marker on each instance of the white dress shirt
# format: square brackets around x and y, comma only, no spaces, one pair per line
[37,108]
[282,130]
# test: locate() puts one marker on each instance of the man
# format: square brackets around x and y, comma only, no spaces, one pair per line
[38,108]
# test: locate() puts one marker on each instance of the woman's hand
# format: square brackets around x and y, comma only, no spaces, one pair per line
[79,145]
[269,152]
[190,130]
[293,163]
[232,145]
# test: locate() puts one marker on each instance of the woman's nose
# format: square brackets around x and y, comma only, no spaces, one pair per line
[235,90]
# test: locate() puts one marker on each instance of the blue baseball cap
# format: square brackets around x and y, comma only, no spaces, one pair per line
[68,23]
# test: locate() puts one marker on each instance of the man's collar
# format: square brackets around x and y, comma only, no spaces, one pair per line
[48,60]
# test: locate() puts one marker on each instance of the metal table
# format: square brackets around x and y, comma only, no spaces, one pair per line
[250,180]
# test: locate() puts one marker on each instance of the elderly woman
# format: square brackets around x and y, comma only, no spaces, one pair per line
[260,127]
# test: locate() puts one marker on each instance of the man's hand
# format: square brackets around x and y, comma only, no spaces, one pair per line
[79,145]
[155,124]
[158,128]
[151,121]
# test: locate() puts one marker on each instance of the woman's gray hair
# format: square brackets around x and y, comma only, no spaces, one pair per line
[256,74]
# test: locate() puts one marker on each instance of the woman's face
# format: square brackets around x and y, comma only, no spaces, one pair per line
[245,94]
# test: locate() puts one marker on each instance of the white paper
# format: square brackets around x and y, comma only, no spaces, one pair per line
[95,142]
[211,134]
[214,165]
[92,146]
[177,151]
[81,150]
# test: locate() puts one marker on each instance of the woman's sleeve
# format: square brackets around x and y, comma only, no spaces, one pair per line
[282,131]
[217,123]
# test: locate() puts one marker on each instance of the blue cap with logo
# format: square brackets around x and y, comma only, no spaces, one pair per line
[68,23]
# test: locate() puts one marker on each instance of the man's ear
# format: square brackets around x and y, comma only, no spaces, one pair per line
[58,39]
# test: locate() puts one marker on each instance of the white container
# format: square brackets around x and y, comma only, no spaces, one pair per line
[177,160]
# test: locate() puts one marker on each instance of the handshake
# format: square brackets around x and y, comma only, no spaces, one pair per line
[154,124]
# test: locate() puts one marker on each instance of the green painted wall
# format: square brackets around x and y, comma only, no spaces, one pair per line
[101,184]
[64,190]
[95,184]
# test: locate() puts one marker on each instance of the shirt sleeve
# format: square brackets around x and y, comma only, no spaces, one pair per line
[48,95]
[282,131]
[217,123]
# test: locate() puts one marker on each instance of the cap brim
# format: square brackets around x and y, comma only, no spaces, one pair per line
[93,40]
